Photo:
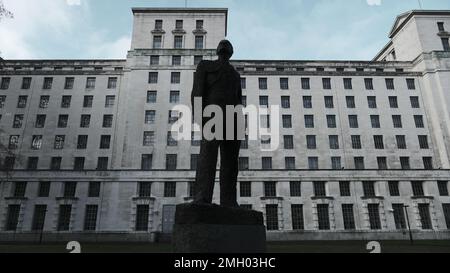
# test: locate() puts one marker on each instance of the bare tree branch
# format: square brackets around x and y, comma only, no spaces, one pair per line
[4,13]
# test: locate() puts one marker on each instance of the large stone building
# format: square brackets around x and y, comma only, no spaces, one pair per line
[86,153]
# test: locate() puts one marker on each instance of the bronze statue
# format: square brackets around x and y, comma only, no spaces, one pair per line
[218,83]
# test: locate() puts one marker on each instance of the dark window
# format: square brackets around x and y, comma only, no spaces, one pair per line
[150,116]
[48,82]
[36,143]
[289,163]
[199,42]
[297,217]
[348,83]
[295,188]
[445,44]
[272,217]
[153,77]
[112,83]
[40,121]
[441,26]
[311,142]
[90,83]
[39,217]
[175,77]
[142,212]
[82,142]
[19,189]
[262,83]
[375,121]
[87,101]
[326,82]
[284,83]
[44,189]
[12,217]
[285,102]
[399,216]
[415,102]
[288,142]
[18,121]
[356,142]
[22,102]
[359,163]
[171,162]
[417,188]
[423,142]
[65,101]
[270,189]
[425,217]
[70,189]
[94,189]
[32,163]
[199,24]
[369,84]
[264,101]
[329,103]
[287,121]
[13,142]
[105,142]
[418,120]
[374,216]
[331,121]
[151,96]
[319,189]
[382,163]
[79,163]
[446,209]
[401,142]
[348,216]
[145,189]
[390,84]
[44,101]
[176,60]
[427,163]
[157,41]
[307,102]
[146,162]
[243,83]
[63,121]
[102,163]
[323,216]
[243,163]
[313,163]
[197,59]
[344,188]
[158,24]
[109,101]
[305,84]
[350,101]
[69,82]
[309,121]
[369,188]
[397,121]
[85,121]
[90,217]
[411,84]
[107,121]
[9,163]
[353,121]
[266,163]
[64,216]
[245,189]
[194,161]
[394,188]
[170,189]
[26,83]
[178,41]
[378,141]
[443,188]
[393,102]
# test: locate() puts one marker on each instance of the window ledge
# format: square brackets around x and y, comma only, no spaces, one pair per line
[199,31]
[67,198]
[322,198]
[16,198]
[143,198]
[158,31]
[271,198]
[179,31]
[422,197]
[372,197]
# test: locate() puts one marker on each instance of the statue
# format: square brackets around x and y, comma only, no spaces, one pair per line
[218,83]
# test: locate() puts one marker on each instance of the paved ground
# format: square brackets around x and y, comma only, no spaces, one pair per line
[272,247]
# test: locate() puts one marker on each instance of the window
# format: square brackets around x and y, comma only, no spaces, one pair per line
[288,142]
[404,163]
[446,209]
[374,216]
[262,83]
[94,189]
[393,102]
[344,188]
[285,102]
[171,162]
[107,121]
[243,83]
[146,162]
[375,121]
[323,216]
[336,163]
[390,84]
[151,96]
[145,189]
[372,102]
[157,41]
[356,142]
[173,116]
[9,163]
[55,163]
[329,102]
[199,24]
[90,217]
[348,216]
[158,24]
[2,101]
[382,163]
[245,189]
[423,142]
[411,84]
[82,142]
[149,138]
[270,189]
[171,141]
[369,84]
[112,82]
[311,142]
[425,217]
[369,188]
[13,142]
[397,121]
[331,121]
[418,120]
[150,116]
[22,102]
[305,84]
[287,121]
[445,44]
[427,163]
[309,121]
[32,163]
[348,84]
[174,97]
[307,102]
[264,101]
[40,121]
[109,101]
[379,143]
[313,163]
[175,77]
[19,189]
[87,101]
[441,26]
[39,217]
[152,77]
[70,189]
[414,102]
[142,212]
[102,163]
[90,83]
[266,163]
[176,60]
[194,162]
[105,141]
[295,188]
[401,142]
[243,163]
[394,188]
[36,142]
[12,217]
[289,163]
[199,42]
[350,102]
[43,102]
[359,163]
[353,121]
[417,188]
[443,188]
[272,217]
[198,59]
[284,83]
[64,216]
[65,101]
[178,41]
[319,189]
[326,83]
[26,83]
[48,82]
[79,163]
[85,121]
[399,216]
[297,217]
[170,189]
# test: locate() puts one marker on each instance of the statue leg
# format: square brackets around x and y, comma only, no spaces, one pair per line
[229,168]
[206,172]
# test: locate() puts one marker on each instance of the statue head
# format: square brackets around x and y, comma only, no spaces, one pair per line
[225,49]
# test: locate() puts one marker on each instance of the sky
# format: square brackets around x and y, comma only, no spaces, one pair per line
[258,29]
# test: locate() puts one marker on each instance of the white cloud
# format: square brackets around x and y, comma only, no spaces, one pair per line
[373,2]
[110,49]
[73,2]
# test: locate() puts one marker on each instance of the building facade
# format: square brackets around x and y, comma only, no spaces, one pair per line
[86,151]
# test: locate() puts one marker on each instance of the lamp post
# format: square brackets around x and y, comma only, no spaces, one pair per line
[409,226]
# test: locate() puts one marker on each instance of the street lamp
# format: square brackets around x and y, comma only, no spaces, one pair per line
[409,226]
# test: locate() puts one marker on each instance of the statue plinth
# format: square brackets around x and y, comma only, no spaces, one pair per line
[216,229]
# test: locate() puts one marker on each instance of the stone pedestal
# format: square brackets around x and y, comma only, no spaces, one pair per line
[216,229]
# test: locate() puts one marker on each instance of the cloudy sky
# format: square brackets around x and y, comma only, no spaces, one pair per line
[259,29]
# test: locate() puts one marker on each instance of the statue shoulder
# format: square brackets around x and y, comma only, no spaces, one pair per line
[208,66]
